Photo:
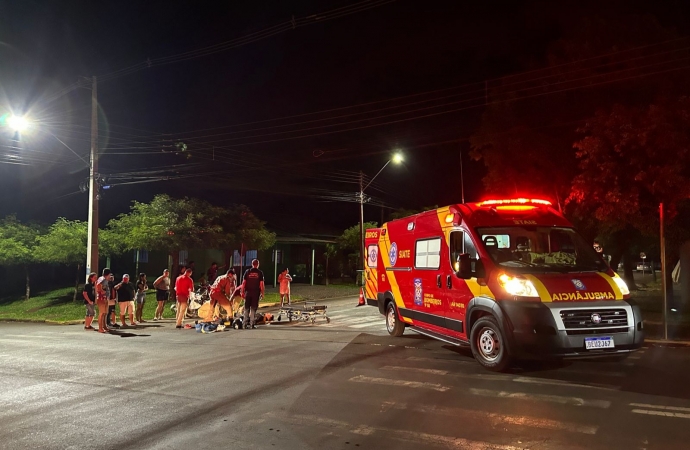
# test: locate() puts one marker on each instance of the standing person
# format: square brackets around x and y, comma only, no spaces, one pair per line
[600,251]
[284,280]
[183,287]
[89,294]
[142,287]
[112,301]
[162,287]
[252,289]
[125,297]
[212,273]
[221,291]
[102,297]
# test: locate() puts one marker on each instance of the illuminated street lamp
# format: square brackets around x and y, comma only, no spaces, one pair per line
[397,158]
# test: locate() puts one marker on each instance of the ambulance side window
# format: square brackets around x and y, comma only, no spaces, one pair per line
[456,248]
[469,247]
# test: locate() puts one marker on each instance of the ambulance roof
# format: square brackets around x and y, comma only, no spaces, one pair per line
[498,213]
[511,213]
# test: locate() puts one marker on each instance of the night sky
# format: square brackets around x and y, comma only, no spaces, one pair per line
[281,124]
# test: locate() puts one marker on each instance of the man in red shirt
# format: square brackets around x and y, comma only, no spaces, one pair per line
[183,287]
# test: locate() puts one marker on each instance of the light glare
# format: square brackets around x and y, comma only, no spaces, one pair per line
[398,158]
[17,123]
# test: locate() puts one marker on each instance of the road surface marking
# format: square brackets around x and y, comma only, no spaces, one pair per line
[377,323]
[574,401]
[425,439]
[667,408]
[661,413]
[395,382]
[416,369]
[563,383]
[494,418]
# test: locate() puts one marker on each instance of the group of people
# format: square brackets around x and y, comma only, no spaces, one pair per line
[104,293]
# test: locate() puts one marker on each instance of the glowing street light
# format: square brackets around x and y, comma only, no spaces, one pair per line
[17,123]
[397,158]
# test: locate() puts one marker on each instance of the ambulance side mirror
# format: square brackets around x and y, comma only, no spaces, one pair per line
[467,271]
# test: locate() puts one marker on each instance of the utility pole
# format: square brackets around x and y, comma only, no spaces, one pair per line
[462,179]
[92,245]
[663,268]
[361,223]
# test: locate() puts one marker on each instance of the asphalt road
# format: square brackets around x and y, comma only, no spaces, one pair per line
[342,385]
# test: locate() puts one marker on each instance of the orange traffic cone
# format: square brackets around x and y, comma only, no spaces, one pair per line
[361,298]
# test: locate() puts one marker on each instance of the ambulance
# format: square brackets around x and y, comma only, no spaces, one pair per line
[510,278]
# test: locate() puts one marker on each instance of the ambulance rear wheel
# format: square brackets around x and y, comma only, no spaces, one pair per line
[488,344]
[393,324]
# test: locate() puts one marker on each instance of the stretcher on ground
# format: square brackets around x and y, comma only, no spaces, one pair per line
[309,312]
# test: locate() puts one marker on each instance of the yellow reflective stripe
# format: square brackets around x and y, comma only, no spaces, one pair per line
[614,286]
[544,294]
[384,247]
[441,214]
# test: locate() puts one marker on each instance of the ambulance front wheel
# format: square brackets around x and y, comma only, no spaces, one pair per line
[394,326]
[488,344]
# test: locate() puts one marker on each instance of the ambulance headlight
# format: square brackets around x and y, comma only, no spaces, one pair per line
[519,287]
[621,285]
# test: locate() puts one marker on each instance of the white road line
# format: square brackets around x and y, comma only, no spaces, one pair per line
[664,407]
[425,439]
[493,418]
[574,401]
[661,413]
[416,369]
[396,382]
[378,323]
[563,383]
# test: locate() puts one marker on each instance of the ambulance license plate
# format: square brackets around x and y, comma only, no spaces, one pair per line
[596,343]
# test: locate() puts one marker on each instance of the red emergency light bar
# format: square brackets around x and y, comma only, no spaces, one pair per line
[515,201]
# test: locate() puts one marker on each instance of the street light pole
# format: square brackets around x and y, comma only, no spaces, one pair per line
[361,220]
[663,268]
[92,244]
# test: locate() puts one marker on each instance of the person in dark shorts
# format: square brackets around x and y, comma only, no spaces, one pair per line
[252,290]
[125,297]
[162,286]
[102,296]
[89,294]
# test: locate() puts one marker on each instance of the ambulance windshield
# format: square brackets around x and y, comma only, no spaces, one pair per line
[539,249]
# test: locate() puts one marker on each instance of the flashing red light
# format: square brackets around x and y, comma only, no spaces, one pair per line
[515,201]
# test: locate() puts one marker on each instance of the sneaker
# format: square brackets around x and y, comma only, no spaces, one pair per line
[253,327]
[155,319]
[178,326]
[88,328]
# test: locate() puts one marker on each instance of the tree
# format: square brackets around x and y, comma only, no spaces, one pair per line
[242,227]
[169,225]
[527,130]
[17,245]
[65,243]
[631,159]
[350,242]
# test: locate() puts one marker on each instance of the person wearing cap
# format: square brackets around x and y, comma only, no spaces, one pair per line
[142,287]
[284,280]
[252,290]
[221,291]
[125,299]
[184,286]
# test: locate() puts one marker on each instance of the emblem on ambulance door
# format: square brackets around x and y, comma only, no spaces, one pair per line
[393,254]
[418,292]
[579,285]
[373,255]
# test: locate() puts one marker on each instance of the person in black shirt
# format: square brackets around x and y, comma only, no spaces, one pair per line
[112,301]
[89,294]
[252,290]
[125,296]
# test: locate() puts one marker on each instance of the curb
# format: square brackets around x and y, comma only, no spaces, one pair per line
[667,342]
[52,322]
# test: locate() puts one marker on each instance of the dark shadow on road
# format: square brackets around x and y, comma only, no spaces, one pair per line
[127,335]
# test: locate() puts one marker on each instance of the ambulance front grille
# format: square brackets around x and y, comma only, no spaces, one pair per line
[593,321]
